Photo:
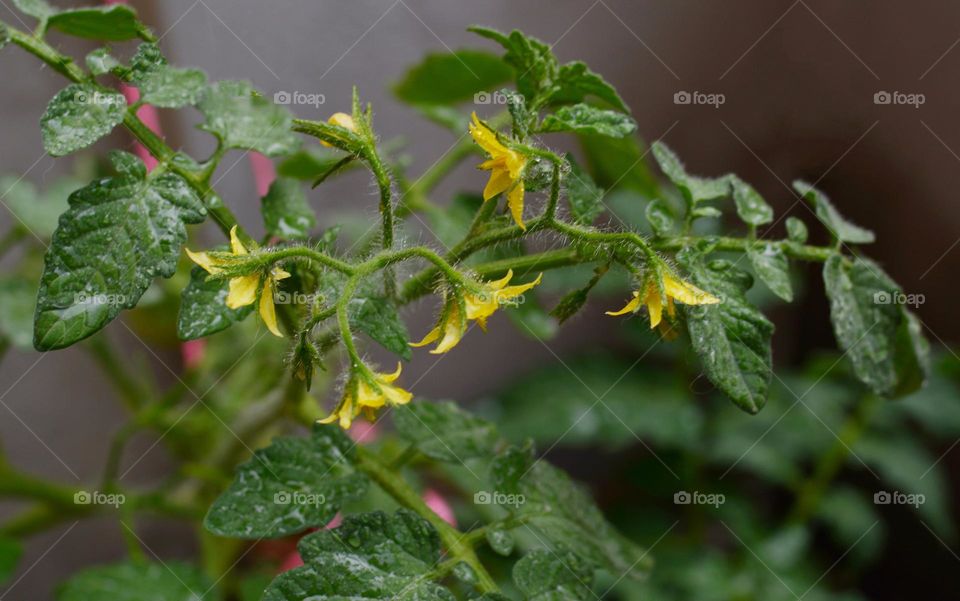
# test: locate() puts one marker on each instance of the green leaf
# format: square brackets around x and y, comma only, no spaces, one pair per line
[586,119]
[839,228]
[535,65]
[173,88]
[370,556]
[732,338]
[573,301]
[10,553]
[288,487]
[751,207]
[100,62]
[243,119]
[203,307]
[377,317]
[660,218]
[500,541]
[452,77]
[553,576]
[79,115]
[167,581]
[119,234]
[577,82]
[882,338]
[444,432]
[286,212]
[38,9]
[563,514]
[17,301]
[37,212]
[695,189]
[114,23]
[309,164]
[796,230]
[618,163]
[772,267]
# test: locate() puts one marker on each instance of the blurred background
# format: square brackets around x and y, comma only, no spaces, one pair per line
[798,82]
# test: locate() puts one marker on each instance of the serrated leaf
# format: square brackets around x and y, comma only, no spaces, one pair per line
[583,194]
[119,234]
[444,432]
[535,65]
[113,23]
[100,62]
[882,338]
[796,230]
[452,77]
[751,207]
[695,189]
[838,226]
[772,267]
[563,514]
[587,119]
[286,212]
[243,119]
[288,487]
[17,301]
[660,217]
[731,338]
[39,9]
[577,82]
[203,307]
[10,553]
[377,317]
[553,576]
[173,88]
[370,556]
[79,115]
[167,581]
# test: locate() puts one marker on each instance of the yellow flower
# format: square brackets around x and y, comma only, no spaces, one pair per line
[367,391]
[505,167]
[476,306]
[343,120]
[674,289]
[243,289]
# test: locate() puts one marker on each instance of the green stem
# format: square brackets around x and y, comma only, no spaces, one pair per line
[453,540]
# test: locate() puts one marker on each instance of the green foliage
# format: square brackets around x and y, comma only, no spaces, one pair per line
[78,116]
[772,267]
[377,317]
[288,487]
[586,119]
[286,213]
[751,207]
[732,338]
[10,552]
[545,575]
[17,298]
[839,227]
[444,432]
[167,581]
[203,308]
[118,235]
[882,338]
[241,118]
[114,23]
[452,77]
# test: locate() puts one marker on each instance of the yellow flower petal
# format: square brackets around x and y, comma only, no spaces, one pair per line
[388,378]
[499,181]
[654,304]
[485,137]
[235,245]
[203,260]
[515,202]
[499,284]
[511,292]
[431,336]
[630,307]
[343,120]
[268,312]
[686,292]
[278,273]
[243,291]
